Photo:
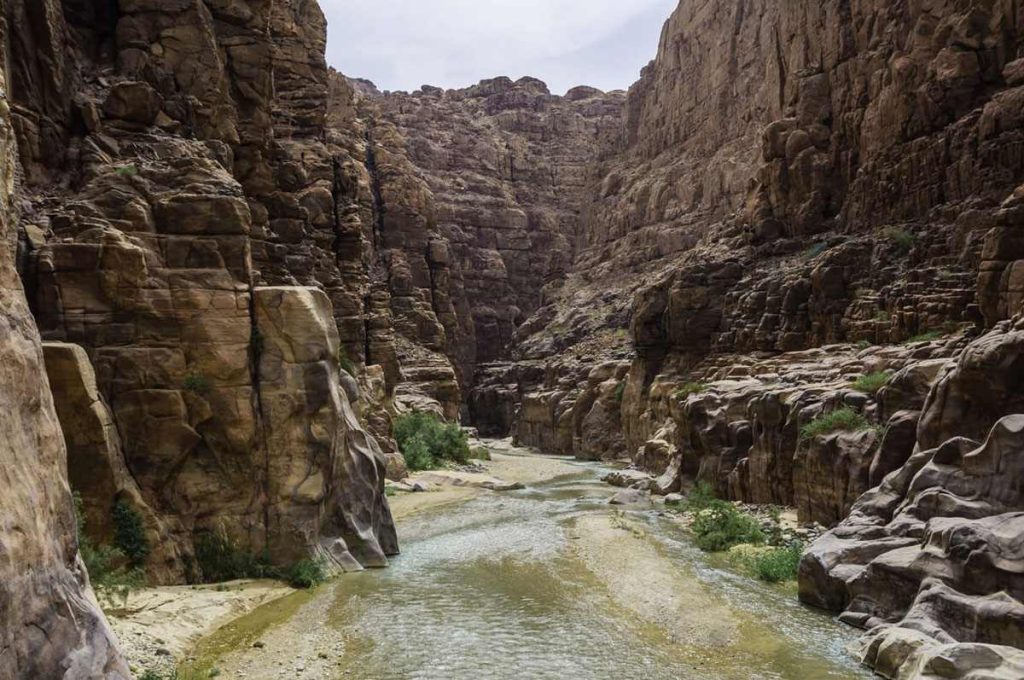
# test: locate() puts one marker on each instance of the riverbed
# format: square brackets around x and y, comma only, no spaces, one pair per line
[545,582]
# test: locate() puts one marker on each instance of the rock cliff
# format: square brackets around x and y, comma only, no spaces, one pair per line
[243,263]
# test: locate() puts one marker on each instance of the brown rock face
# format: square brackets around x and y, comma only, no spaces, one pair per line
[50,624]
[199,204]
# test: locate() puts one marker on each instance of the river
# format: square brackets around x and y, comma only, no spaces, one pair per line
[546,582]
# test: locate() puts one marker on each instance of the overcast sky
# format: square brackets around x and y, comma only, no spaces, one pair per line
[403,44]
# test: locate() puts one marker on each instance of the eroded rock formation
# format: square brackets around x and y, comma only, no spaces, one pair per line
[50,623]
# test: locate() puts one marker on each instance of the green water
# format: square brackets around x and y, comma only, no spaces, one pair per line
[493,588]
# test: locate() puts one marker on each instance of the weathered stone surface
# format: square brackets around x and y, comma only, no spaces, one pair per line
[96,465]
[50,623]
[934,549]
[325,475]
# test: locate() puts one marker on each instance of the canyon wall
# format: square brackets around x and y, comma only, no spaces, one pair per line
[236,272]
[50,623]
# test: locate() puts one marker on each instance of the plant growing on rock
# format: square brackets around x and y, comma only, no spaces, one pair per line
[690,388]
[130,533]
[620,391]
[221,559]
[346,363]
[427,442]
[903,240]
[126,171]
[927,336]
[105,564]
[841,420]
[872,382]
[197,383]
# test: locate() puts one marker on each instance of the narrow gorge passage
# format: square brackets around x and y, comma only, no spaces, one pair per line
[547,582]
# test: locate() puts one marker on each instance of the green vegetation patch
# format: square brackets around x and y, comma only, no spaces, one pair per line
[690,388]
[927,336]
[721,525]
[844,419]
[197,383]
[221,559]
[130,533]
[107,566]
[772,565]
[872,382]
[126,171]
[427,442]
[620,392]
[902,240]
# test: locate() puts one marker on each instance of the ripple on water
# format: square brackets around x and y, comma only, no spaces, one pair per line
[492,590]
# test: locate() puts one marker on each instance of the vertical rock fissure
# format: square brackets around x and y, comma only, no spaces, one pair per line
[255,353]
[375,189]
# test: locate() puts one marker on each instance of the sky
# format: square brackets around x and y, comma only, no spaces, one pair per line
[403,44]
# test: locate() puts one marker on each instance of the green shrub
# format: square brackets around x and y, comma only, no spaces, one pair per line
[863,344]
[130,533]
[221,559]
[702,496]
[844,419]
[306,574]
[690,388]
[126,171]
[902,239]
[426,441]
[105,564]
[775,565]
[197,383]
[346,363]
[620,392]
[872,382]
[720,526]
[928,336]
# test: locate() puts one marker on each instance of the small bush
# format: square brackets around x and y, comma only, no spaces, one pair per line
[197,383]
[902,239]
[620,392]
[221,559]
[872,382]
[306,574]
[928,336]
[127,171]
[105,564]
[690,388]
[130,533]
[426,441]
[778,564]
[346,363]
[720,526]
[863,345]
[844,419]
[702,496]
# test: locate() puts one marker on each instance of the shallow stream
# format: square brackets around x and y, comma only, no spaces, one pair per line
[548,582]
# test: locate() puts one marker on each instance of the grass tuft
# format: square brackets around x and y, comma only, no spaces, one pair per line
[773,565]
[690,388]
[902,240]
[130,533]
[844,419]
[872,382]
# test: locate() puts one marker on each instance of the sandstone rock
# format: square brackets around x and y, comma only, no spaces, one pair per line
[135,102]
[325,474]
[50,623]
[932,550]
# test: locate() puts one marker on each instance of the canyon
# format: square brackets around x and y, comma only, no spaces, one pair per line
[227,267]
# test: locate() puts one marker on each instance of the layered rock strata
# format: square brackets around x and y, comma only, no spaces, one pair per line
[50,623]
